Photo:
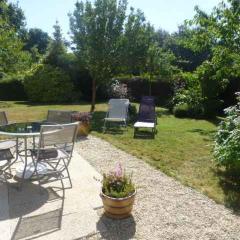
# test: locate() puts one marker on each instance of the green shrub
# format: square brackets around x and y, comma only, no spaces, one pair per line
[181,110]
[186,110]
[48,84]
[12,89]
[132,110]
[227,141]
[212,107]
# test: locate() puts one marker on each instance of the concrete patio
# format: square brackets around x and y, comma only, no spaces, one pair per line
[56,213]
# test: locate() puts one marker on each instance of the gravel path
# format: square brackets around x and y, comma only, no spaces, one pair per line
[164,209]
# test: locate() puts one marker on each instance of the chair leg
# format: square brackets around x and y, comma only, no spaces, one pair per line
[153,133]
[135,132]
[66,168]
[104,126]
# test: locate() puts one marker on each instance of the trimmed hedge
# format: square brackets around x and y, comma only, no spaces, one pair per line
[138,87]
[49,84]
[12,89]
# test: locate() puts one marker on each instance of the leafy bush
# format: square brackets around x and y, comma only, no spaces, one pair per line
[212,107]
[132,110]
[186,110]
[12,89]
[181,110]
[188,103]
[117,184]
[48,84]
[227,142]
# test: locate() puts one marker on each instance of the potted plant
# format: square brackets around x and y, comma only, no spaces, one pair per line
[118,193]
[84,119]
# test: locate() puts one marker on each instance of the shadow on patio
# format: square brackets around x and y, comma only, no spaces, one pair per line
[36,213]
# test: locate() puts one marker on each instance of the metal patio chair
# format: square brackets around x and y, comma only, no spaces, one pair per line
[6,155]
[117,112]
[147,117]
[3,119]
[51,157]
[59,116]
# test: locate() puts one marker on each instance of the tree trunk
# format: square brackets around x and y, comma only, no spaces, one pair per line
[93,95]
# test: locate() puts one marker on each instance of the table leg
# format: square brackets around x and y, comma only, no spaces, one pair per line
[34,143]
[25,162]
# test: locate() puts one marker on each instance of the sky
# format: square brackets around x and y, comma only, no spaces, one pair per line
[165,14]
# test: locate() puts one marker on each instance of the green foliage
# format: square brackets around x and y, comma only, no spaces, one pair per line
[227,141]
[14,15]
[117,184]
[181,110]
[186,57]
[132,110]
[213,38]
[96,30]
[12,88]
[37,38]
[12,57]
[57,49]
[135,42]
[48,84]
[188,96]
[159,64]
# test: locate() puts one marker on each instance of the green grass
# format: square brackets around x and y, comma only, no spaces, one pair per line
[181,149]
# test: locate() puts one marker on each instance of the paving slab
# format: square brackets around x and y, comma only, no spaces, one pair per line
[55,213]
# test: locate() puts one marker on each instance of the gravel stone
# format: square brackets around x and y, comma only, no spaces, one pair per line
[164,208]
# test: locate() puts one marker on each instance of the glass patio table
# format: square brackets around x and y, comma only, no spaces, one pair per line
[23,131]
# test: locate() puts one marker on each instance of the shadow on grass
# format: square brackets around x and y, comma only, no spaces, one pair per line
[33,104]
[231,188]
[98,121]
[202,132]
[144,134]
[163,112]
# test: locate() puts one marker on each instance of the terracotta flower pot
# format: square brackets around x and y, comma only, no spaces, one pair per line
[83,129]
[118,208]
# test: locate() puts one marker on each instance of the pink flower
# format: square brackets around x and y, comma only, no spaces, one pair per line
[118,170]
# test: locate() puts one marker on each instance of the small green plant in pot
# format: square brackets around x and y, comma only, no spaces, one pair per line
[118,193]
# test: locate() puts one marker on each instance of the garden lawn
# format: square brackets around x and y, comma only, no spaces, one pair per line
[181,149]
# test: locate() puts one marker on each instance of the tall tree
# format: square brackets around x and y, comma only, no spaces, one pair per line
[37,38]
[137,38]
[14,15]
[12,57]
[57,47]
[96,29]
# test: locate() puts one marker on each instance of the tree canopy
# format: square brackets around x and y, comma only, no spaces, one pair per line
[96,31]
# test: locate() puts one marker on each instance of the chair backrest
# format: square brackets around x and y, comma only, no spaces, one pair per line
[147,110]
[57,116]
[118,108]
[3,119]
[53,135]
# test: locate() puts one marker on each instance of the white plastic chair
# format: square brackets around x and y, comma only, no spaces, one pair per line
[117,112]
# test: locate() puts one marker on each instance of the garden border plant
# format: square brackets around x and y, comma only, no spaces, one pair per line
[227,141]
